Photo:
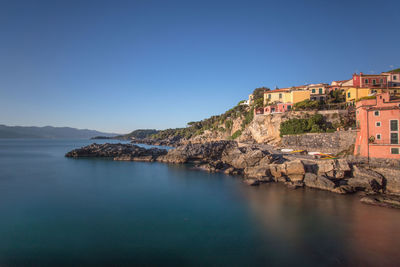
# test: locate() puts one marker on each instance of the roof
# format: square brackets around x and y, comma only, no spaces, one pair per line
[371,75]
[277,90]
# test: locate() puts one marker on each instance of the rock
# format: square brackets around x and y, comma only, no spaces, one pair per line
[276,170]
[391,182]
[344,189]
[320,182]
[243,157]
[294,170]
[382,200]
[258,172]
[294,185]
[334,169]
[252,182]
[366,179]
[118,152]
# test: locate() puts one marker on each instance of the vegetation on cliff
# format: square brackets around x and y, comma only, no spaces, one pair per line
[221,123]
[313,124]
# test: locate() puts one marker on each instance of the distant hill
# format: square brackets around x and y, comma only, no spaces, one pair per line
[138,134]
[395,70]
[48,132]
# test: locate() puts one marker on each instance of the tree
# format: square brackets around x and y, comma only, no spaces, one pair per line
[259,93]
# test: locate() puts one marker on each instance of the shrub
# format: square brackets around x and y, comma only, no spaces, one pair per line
[366,97]
[314,124]
[236,134]
[228,124]
[307,105]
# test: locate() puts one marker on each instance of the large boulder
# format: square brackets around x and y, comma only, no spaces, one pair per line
[366,179]
[243,157]
[391,179]
[294,170]
[320,182]
[334,169]
[258,172]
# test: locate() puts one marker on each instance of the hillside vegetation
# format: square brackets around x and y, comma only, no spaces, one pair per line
[222,123]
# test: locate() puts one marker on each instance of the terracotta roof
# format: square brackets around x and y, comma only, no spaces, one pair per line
[370,75]
[277,90]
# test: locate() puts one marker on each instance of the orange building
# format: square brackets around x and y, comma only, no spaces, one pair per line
[378,127]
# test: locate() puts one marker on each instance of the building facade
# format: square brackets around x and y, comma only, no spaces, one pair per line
[369,81]
[378,127]
[318,91]
[393,78]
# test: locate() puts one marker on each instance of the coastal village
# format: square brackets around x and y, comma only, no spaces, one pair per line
[341,137]
[375,98]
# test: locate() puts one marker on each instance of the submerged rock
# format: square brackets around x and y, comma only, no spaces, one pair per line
[382,200]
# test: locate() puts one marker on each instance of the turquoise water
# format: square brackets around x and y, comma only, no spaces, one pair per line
[58,211]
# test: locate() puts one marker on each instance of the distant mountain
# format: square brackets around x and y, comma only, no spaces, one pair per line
[48,132]
[136,134]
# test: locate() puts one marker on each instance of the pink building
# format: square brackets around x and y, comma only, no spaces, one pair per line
[378,127]
[279,107]
[369,81]
[274,108]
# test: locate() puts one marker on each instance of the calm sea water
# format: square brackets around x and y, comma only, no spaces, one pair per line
[57,211]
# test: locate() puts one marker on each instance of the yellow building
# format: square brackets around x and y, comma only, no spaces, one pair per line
[298,96]
[318,91]
[286,95]
[352,94]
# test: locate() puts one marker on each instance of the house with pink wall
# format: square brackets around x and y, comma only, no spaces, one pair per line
[378,127]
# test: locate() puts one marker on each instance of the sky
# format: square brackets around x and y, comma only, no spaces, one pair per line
[117,66]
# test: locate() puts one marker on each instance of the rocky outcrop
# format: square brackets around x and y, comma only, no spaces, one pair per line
[118,152]
[321,182]
[172,142]
[259,165]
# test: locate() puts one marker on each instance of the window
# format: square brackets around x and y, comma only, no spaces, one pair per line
[394,150]
[394,138]
[289,107]
[381,80]
[280,95]
[394,125]
[348,95]
[376,113]
[394,77]
[320,91]
[378,136]
[269,96]
[313,91]
[378,124]
[373,81]
[366,80]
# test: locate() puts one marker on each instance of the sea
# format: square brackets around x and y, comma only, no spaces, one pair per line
[58,211]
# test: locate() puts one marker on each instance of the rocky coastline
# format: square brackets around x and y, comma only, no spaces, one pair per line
[171,142]
[257,165]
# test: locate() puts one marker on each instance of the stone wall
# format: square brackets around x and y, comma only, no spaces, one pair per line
[321,142]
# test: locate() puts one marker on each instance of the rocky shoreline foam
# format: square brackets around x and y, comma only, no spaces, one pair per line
[259,165]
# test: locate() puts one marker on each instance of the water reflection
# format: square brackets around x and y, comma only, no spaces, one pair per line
[319,226]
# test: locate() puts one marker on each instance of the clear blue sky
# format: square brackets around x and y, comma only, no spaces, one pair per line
[121,65]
